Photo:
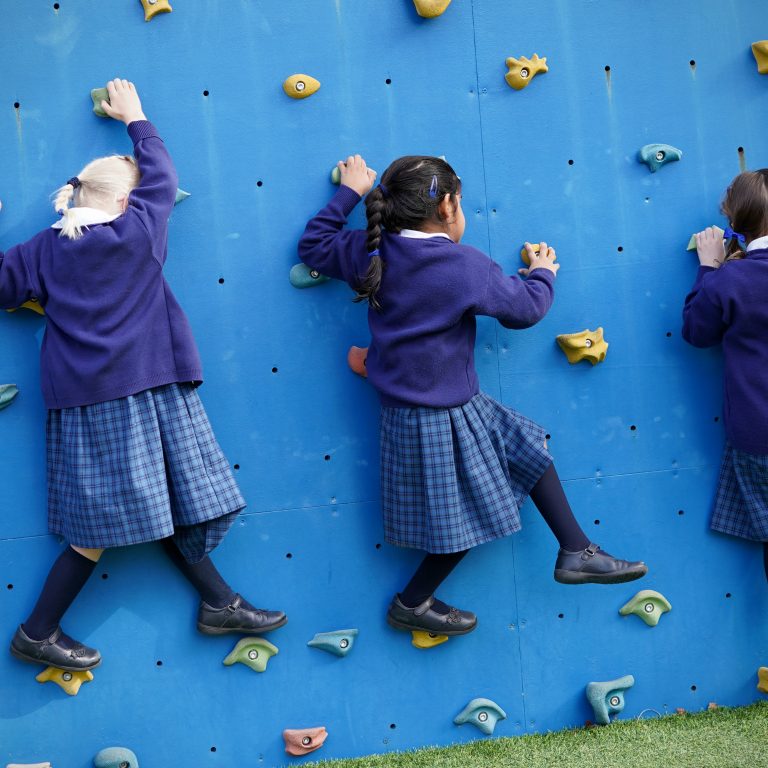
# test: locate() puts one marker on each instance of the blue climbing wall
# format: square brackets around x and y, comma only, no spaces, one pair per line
[637,439]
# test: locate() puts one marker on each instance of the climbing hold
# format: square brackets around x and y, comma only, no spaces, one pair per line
[7,393]
[648,605]
[586,345]
[254,652]
[422,639]
[300,86]
[97,96]
[760,52]
[338,643]
[524,254]
[762,679]
[302,276]
[181,195]
[336,175]
[302,741]
[482,713]
[356,358]
[33,304]
[116,757]
[608,698]
[523,70]
[692,242]
[430,9]
[656,155]
[153,7]
[70,682]
[28,765]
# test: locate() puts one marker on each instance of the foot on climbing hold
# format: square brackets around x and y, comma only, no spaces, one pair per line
[153,7]
[482,713]
[338,643]
[300,86]
[656,155]
[426,619]
[302,741]
[762,679]
[648,605]
[254,652]
[593,566]
[692,242]
[523,70]
[356,358]
[181,195]
[7,394]
[425,640]
[58,650]
[301,276]
[430,9]
[116,757]
[608,698]
[68,681]
[760,52]
[585,345]
[97,96]
[236,618]
[33,304]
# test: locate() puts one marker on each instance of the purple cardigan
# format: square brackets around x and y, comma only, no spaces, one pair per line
[113,326]
[730,305]
[423,340]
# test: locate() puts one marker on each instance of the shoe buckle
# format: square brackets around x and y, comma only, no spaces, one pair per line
[589,551]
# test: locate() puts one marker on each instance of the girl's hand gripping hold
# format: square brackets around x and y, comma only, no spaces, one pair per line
[124,103]
[356,175]
[544,259]
[709,247]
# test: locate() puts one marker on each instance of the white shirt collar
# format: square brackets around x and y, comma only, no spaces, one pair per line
[758,242]
[416,234]
[86,217]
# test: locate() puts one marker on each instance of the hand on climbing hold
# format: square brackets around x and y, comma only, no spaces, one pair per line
[709,246]
[124,103]
[540,257]
[356,175]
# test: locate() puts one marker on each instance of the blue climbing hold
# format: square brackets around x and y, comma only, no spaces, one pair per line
[7,394]
[608,698]
[180,196]
[302,276]
[482,713]
[338,643]
[116,757]
[656,155]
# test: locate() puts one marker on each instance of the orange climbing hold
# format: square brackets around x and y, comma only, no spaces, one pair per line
[760,52]
[302,741]
[356,357]
[153,7]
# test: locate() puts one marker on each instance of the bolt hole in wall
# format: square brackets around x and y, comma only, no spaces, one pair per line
[10,586]
[104,576]
[693,687]
[259,183]
[633,428]
[560,615]
[327,457]
[274,369]
[235,466]
[742,159]
[213,749]
[221,281]
[393,726]
[388,81]
[570,162]
[727,594]
[620,249]
[56,6]
[288,555]
[159,663]
[692,64]
[16,105]
[205,93]
[378,546]
[681,512]
[669,334]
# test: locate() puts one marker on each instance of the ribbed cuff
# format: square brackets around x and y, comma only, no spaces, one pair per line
[141,129]
[347,199]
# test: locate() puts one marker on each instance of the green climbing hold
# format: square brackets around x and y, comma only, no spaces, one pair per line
[181,195]
[98,95]
[336,175]
[482,713]
[608,698]
[648,605]
[302,276]
[692,242]
[254,652]
[338,643]
[656,155]
[7,393]
[116,757]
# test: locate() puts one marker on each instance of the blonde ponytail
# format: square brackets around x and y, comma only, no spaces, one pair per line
[64,196]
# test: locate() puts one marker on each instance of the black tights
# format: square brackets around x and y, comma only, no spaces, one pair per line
[765,558]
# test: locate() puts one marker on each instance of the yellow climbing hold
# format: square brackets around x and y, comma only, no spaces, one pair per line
[692,242]
[524,254]
[762,679]
[429,9]
[586,345]
[300,86]
[427,639]
[153,7]
[70,682]
[648,604]
[523,70]
[760,52]
[34,305]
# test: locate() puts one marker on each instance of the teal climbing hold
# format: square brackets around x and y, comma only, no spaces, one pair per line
[97,96]
[7,393]
[648,604]
[482,713]
[116,757]
[608,698]
[302,276]
[656,155]
[181,195]
[254,652]
[338,643]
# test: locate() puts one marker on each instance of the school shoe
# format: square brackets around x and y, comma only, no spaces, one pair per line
[237,618]
[425,619]
[54,651]
[593,566]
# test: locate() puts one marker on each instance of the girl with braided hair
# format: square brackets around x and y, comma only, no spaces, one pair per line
[455,465]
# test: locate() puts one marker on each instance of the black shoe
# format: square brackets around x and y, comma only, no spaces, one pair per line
[54,653]
[425,619]
[235,618]
[593,566]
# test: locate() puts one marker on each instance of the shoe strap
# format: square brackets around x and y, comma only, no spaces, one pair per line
[54,638]
[590,551]
[420,610]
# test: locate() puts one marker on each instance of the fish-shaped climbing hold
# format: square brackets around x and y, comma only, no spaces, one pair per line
[656,155]
[339,643]
[301,276]
[430,9]
[356,359]
[482,713]
[302,741]
[69,682]
[648,604]
[760,52]
[181,195]
[692,242]
[153,7]
[254,652]
[608,698]
[762,679]
[116,757]
[7,394]
[521,71]
[585,345]
[300,86]
[33,304]
[97,96]
[420,639]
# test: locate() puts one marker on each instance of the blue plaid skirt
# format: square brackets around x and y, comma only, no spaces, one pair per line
[137,469]
[741,503]
[453,478]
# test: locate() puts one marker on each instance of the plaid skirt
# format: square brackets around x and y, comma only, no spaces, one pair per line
[741,502]
[137,469]
[453,478]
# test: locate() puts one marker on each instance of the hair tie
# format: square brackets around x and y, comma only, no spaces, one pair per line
[384,191]
[433,187]
[730,234]
[75,182]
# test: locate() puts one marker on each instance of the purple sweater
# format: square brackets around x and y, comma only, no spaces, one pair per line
[423,340]
[729,305]
[113,326]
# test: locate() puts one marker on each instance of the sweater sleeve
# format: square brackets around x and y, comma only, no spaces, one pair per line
[703,323]
[17,283]
[329,248]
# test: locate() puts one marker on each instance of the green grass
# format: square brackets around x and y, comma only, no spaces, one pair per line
[722,738]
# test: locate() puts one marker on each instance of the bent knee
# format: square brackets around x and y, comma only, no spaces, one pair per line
[91,554]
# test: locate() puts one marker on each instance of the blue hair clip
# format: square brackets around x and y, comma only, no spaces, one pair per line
[374,252]
[433,187]
[729,234]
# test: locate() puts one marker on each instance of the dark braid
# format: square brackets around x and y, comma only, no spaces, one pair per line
[367,290]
